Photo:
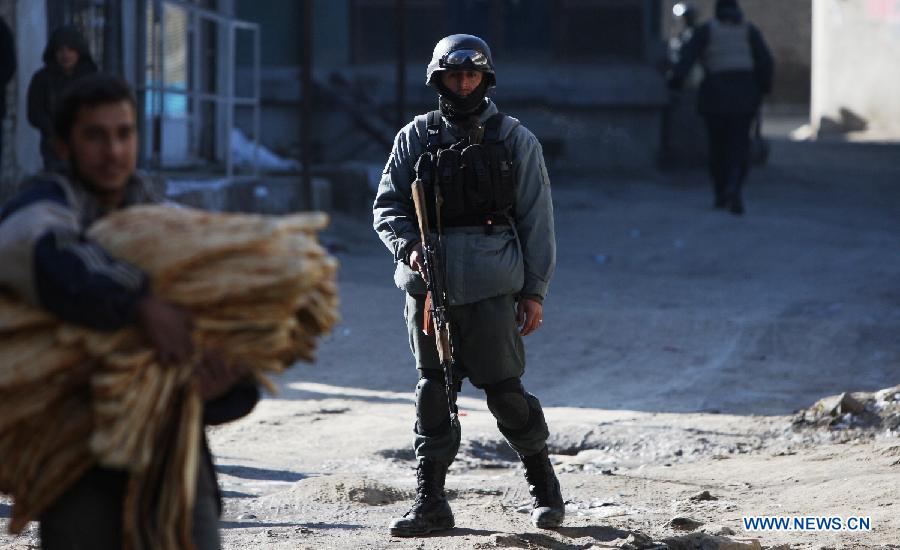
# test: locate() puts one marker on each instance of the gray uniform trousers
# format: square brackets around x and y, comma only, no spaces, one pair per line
[489,352]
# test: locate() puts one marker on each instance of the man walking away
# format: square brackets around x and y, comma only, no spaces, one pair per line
[738,73]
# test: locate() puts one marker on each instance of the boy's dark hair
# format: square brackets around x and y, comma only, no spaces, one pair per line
[88,91]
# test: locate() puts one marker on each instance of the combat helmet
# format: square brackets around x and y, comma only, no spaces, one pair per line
[461,52]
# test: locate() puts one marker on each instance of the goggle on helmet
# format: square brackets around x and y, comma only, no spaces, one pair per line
[465,60]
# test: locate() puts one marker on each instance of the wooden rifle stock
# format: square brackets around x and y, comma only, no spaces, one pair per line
[418,195]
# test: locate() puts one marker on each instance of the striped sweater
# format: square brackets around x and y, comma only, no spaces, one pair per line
[49,262]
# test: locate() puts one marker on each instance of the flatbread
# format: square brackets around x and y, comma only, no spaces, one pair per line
[261,289]
[29,357]
[193,237]
[16,315]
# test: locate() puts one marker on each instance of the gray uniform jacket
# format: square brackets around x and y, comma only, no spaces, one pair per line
[516,260]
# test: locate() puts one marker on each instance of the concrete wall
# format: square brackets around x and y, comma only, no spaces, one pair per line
[589,115]
[787,28]
[588,118]
[856,81]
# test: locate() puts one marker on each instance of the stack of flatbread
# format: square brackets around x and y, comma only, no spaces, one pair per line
[261,290]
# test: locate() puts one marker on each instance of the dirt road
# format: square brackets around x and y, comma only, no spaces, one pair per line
[678,340]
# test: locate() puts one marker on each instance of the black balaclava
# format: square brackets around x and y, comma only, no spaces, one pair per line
[460,109]
[728,11]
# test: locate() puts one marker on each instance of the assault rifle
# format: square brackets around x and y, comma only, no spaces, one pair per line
[435,274]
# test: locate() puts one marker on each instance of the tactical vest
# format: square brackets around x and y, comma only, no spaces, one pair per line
[473,176]
[728,48]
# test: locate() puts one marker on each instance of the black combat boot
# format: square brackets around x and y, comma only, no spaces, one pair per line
[430,511]
[737,206]
[548,506]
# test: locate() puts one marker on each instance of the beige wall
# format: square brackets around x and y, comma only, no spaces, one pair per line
[856,81]
[787,28]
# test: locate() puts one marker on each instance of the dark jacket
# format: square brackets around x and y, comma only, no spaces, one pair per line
[736,92]
[49,82]
[7,62]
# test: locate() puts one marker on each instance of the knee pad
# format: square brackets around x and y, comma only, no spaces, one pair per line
[432,411]
[516,410]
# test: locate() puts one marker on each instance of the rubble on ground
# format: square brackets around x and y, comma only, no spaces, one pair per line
[861,414]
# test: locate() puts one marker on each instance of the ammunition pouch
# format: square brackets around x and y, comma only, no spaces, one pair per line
[472,181]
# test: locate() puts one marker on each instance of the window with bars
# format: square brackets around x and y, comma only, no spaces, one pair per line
[193,97]
[175,53]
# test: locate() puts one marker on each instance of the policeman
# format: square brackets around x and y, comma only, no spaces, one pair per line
[738,69]
[500,251]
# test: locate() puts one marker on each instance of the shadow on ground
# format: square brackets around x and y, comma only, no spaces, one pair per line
[262,474]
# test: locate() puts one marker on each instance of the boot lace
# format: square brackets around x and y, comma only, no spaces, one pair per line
[540,480]
[428,485]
